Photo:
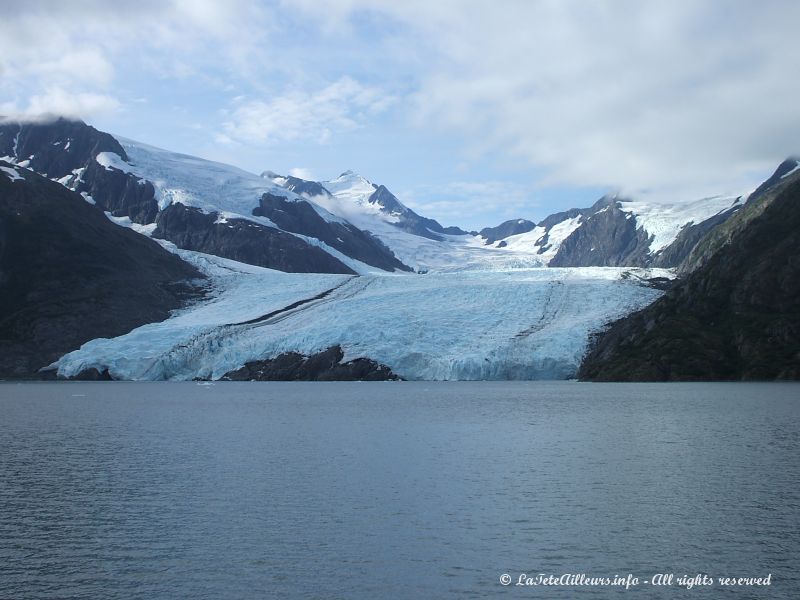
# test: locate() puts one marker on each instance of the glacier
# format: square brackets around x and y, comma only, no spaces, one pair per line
[468,325]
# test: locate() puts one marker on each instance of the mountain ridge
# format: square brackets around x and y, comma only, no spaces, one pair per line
[360,225]
[734,315]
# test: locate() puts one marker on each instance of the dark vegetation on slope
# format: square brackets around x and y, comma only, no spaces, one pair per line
[735,316]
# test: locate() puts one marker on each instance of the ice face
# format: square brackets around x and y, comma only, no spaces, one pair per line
[523,324]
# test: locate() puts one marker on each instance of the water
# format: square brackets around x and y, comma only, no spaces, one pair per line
[395,490]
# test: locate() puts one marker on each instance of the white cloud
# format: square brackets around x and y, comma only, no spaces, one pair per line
[303,173]
[689,97]
[90,66]
[684,96]
[56,101]
[313,116]
[75,48]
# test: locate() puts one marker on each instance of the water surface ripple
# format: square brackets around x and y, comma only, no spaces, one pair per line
[394,490]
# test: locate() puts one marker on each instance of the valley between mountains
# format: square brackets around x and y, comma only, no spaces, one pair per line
[123,261]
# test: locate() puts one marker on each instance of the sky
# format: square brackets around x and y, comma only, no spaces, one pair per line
[471,112]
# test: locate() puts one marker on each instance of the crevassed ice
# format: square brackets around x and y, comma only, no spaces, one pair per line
[524,324]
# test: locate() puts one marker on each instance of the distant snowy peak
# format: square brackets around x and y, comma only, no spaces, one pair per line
[618,231]
[301,187]
[350,186]
[353,197]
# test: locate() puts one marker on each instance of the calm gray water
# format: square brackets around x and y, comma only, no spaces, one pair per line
[395,490]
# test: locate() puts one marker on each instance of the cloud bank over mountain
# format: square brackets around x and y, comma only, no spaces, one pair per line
[683,97]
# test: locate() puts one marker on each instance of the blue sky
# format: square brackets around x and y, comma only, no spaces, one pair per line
[471,112]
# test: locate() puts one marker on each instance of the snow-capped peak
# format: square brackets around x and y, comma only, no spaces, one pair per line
[207,185]
[351,186]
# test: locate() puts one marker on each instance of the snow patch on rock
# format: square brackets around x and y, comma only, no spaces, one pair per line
[12,174]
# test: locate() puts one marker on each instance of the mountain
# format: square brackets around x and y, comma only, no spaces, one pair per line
[736,312]
[421,243]
[756,203]
[65,150]
[194,203]
[347,225]
[69,275]
[506,229]
[353,196]
[620,232]
[612,232]
[351,186]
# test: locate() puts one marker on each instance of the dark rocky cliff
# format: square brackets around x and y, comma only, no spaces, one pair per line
[69,275]
[506,229]
[56,147]
[607,237]
[734,316]
[300,217]
[322,366]
[66,149]
[244,241]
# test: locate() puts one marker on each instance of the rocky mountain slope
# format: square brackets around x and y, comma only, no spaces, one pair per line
[69,275]
[506,229]
[346,225]
[734,315]
[193,203]
[618,232]
[352,188]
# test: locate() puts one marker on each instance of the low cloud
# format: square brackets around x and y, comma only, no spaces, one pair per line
[59,102]
[303,173]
